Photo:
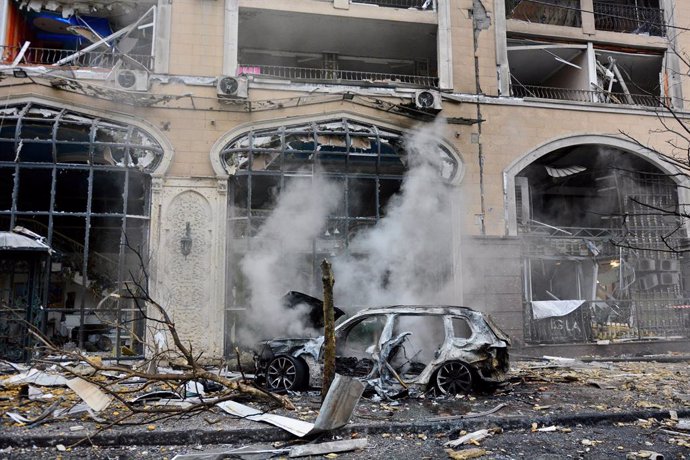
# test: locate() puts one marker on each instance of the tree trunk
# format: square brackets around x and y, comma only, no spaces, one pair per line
[329,328]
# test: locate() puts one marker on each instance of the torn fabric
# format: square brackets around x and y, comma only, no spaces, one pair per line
[551,308]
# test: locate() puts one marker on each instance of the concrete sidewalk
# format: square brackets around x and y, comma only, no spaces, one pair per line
[264,433]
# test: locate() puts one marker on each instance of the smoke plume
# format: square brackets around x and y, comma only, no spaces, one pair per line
[404,259]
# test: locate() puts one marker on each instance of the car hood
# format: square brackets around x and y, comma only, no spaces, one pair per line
[290,346]
[315,307]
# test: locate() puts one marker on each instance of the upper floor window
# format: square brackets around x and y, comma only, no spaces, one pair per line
[642,17]
[62,35]
[312,48]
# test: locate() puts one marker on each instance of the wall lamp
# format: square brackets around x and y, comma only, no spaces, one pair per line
[186,241]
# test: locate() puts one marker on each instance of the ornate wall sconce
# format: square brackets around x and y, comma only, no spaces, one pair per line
[186,241]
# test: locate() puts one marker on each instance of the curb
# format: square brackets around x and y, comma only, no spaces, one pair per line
[208,437]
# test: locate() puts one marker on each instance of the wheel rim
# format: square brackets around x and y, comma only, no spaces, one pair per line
[454,378]
[281,374]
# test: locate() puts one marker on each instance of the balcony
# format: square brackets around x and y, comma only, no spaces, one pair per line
[580,73]
[407,4]
[553,12]
[587,96]
[340,76]
[51,56]
[305,47]
[640,17]
[632,19]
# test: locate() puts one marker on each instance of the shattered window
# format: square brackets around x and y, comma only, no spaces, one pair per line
[362,339]
[83,184]
[362,164]
[603,252]
[461,328]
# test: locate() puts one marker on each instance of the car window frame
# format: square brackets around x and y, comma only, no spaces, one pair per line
[451,331]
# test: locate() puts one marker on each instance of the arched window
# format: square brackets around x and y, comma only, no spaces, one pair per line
[82,183]
[603,246]
[366,163]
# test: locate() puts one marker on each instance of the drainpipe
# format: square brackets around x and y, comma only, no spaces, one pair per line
[480,21]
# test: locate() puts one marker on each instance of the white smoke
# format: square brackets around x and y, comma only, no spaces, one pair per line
[404,259]
[276,262]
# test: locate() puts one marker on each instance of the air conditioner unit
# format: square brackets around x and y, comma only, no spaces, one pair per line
[669,278]
[646,265]
[669,265]
[649,281]
[427,100]
[232,87]
[131,80]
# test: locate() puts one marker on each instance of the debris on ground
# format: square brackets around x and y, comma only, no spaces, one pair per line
[470,438]
[337,408]
[467,454]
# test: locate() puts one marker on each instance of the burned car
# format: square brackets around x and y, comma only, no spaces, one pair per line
[453,350]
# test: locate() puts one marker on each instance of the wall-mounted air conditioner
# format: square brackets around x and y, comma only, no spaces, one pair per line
[646,265]
[669,278]
[669,265]
[232,87]
[131,80]
[649,281]
[427,99]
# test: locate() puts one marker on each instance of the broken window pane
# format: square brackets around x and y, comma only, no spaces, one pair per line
[6,186]
[362,197]
[137,194]
[461,328]
[362,339]
[7,151]
[108,187]
[71,190]
[34,189]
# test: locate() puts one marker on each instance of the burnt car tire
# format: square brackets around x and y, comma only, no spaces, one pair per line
[285,373]
[454,377]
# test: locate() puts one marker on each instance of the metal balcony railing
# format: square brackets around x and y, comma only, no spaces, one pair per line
[416,4]
[591,96]
[553,12]
[337,76]
[629,19]
[50,56]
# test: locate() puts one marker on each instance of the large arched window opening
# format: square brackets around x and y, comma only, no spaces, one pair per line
[365,163]
[82,183]
[603,253]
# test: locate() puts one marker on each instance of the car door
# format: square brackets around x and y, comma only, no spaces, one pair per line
[357,343]
[418,340]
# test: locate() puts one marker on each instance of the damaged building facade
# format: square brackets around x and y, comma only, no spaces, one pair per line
[146,144]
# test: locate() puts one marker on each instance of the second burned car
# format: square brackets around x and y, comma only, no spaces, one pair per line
[450,349]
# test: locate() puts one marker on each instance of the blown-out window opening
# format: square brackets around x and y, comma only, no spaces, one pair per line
[603,248]
[363,164]
[83,183]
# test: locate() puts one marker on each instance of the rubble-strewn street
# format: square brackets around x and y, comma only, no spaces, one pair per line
[551,408]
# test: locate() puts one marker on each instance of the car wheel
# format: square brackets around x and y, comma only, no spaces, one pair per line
[286,373]
[454,377]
